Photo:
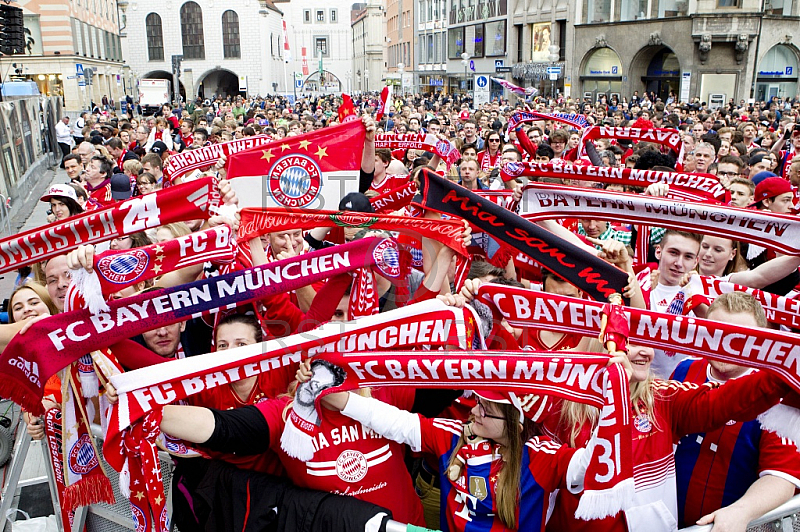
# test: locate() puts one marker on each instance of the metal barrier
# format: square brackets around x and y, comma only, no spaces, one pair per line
[784,518]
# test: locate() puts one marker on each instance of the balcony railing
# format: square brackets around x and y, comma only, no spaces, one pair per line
[482,11]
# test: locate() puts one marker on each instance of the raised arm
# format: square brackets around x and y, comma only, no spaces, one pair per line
[770,272]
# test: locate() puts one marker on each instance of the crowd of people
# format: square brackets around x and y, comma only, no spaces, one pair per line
[700,456]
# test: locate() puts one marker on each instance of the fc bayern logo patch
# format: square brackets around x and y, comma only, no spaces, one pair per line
[642,423]
[443,148]
[82,457]
[387,258]
[294,181]
[351,466]
[123,268]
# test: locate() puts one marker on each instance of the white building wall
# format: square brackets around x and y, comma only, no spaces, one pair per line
[255,21]
[339,60]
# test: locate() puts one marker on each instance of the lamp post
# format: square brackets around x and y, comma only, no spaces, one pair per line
[465,57]
[366,79]
[553,77]
[401,68]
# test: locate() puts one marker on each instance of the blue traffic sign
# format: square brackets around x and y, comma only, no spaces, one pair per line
[554,70]
[298,83]
[482,81]
[79,69]
[472,65]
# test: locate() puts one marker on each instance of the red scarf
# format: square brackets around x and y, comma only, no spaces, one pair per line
[703,290]
[190,201]
[662,136]
[117,270]
[53,432]
[419,141]
[381,108]
[775,351]
[780,232]
[608,485]
[689,186]
[521,117]
[394,200]
[54,343]
[130,443]
[188,160]
[488,162]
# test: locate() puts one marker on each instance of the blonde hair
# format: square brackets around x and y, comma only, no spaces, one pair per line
[178,229]
[740,303]
[132,167]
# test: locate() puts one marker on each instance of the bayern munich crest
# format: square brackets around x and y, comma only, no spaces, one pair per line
[351,466]
[123,268]
[642,423]
[294,181]
[387,258]
[513,168]
[82,457]
[443,148]
[139,519]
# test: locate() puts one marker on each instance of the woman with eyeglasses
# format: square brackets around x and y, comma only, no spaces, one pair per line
[512,468]
[489,158]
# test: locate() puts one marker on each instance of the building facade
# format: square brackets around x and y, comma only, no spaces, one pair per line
[227,49]
[713,50]
[400,71]
[321,45]
[477,42]
[368,42]
[430,34]
[65,38]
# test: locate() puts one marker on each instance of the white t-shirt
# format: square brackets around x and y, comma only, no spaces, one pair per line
[660,298]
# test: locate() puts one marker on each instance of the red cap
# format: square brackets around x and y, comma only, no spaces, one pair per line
[771,187]
[507,398]
[464,115]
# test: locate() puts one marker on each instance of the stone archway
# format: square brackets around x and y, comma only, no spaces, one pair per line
[218,82]
[331,82]
[656,69]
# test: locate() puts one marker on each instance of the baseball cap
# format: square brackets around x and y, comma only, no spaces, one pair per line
[755,159]
[120,187]
[356,202]
[761,176]
[158,148]
[64,191]
[771,187]
[464,115]
[506,398]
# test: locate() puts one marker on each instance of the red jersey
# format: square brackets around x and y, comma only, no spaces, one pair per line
[486,161]
[351,459]
[102,194]
[716,468]
[679,409]
[388,183]
[224,398]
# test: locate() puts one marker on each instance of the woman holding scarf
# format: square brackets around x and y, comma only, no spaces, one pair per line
[497,471]
[489,158]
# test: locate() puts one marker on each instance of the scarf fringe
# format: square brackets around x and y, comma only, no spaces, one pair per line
[88,491]
[297,443]
[784,421]
[32,402]
[599,504]
[88,286]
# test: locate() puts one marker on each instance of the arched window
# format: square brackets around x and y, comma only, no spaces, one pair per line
[230,35]
[155,37]
[192,31]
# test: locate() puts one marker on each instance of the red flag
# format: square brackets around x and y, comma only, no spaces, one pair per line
[382,103]
[346,110]
[305,62]
[305,171]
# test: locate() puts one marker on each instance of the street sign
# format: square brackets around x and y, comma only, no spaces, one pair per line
[298,83]
[79,69]
[472,65]
[554,70]
[481,81]
[553,77]
[481,93]
[498,63]
[502,69]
